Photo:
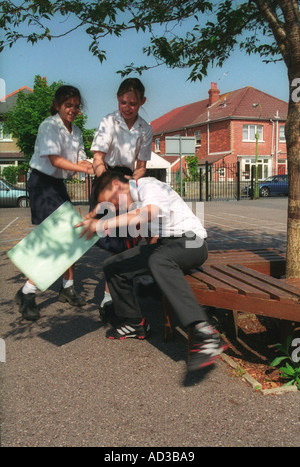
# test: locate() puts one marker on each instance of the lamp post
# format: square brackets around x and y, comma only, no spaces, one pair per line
[256,187]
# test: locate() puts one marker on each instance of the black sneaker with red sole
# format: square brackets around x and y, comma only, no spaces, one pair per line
[206,346]
[130,331]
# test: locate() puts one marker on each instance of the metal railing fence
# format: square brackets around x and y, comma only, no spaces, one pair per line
[212,182]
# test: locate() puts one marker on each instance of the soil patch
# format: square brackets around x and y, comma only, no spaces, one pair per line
[260,336]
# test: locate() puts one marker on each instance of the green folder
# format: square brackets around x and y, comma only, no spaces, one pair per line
[52,247]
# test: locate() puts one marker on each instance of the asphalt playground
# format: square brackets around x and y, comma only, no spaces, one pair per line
[63,384]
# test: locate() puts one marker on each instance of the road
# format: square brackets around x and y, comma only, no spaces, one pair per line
[65,384]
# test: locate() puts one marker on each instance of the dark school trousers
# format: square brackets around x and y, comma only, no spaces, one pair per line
[167,261]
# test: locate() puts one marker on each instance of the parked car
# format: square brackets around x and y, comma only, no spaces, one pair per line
[11,195]
[274,185]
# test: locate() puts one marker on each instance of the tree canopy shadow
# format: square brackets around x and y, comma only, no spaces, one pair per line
[64,326]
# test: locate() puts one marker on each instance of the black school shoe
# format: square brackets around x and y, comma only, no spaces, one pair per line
[206,346]
[127,330]
[27,305]
[69,295]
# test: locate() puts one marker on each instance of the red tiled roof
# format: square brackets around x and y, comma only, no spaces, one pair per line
[23,88]
[179,117]
[234,104]
[171,159]
[7,102]
[213,158]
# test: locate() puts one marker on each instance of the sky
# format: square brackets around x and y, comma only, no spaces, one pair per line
[69,60]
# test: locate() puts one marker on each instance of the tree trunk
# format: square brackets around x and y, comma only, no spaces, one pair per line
[292,131]
[287,36]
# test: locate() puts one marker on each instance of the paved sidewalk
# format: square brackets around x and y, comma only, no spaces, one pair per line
[65,384]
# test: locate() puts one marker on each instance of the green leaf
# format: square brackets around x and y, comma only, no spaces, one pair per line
[289,383]
[278,360]
[288,370]
[280,347]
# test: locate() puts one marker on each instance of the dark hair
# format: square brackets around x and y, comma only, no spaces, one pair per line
[62,94]
[105,180]
[132,84]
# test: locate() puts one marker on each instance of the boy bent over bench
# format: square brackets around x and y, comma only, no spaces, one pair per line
[176,244]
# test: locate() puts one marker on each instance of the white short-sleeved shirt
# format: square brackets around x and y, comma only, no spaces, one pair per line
[121,145]
[175,217]
[53,139]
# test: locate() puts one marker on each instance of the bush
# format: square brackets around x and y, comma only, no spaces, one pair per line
[11,173]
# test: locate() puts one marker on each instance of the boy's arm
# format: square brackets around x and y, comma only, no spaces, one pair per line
[138,216]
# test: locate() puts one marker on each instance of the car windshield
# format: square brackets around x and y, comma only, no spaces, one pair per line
[8,185]
[280,178]
[270,179]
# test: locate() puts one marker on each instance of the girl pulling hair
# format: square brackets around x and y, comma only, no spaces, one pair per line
[123,143]
[123,140]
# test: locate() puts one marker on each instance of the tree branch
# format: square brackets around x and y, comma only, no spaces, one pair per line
[292,16]
[277,27]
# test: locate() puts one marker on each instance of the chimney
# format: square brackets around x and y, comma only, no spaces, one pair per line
[213,94]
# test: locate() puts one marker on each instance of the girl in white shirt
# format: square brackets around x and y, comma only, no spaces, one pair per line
[122,143]
[58,153]
[123,140]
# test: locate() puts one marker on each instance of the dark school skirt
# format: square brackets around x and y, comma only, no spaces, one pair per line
[46,194]
[115,244]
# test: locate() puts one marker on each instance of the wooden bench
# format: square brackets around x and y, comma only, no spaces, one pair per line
[269,261]
[241,281]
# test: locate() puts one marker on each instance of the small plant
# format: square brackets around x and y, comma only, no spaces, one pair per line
[239,371]
[291,370]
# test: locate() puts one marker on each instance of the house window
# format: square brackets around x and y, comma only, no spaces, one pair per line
[157,144]
[197,135]
[263,167]
[281,134]
[222,173]
[249,132]
[3,135]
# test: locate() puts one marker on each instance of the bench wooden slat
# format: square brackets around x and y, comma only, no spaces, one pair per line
[199,284]
[243,260]
[243,276]
[244,251]
[271,262]
[274,268]
[242,288]
[280,283]
[244,255]
[197,279]
[244,303]
[294,280]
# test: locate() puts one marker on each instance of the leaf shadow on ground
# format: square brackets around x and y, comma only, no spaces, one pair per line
[61,323]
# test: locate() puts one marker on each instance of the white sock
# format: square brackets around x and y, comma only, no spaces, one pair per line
[67,283]
[107,298]
[29,288]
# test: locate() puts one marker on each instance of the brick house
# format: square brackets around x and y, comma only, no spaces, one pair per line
[10,154]
[224,127]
